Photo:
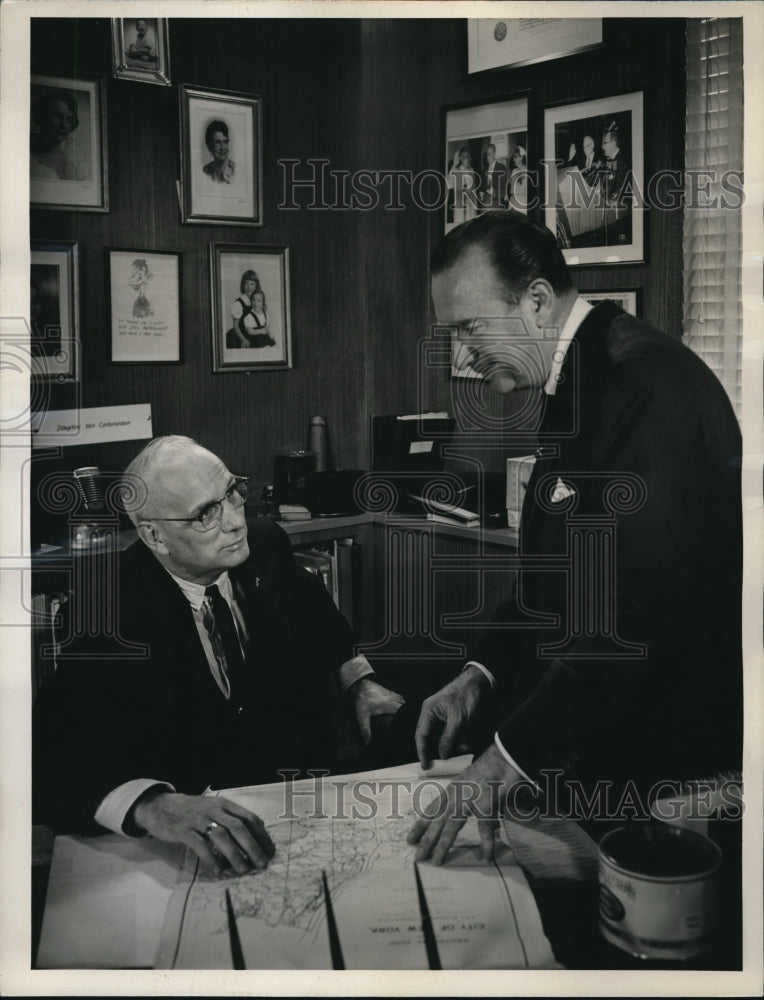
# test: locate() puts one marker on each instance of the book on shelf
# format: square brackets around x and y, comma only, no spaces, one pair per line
[319,564]
[453,514]
[338,562]
[294,512]
[461,522]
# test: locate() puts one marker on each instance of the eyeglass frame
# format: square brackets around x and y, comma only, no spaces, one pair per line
[232,491]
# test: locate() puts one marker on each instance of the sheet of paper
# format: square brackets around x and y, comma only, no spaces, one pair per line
[354,828]
[106,902]
[553,849]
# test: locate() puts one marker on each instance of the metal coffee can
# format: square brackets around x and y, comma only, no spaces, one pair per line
[658,890]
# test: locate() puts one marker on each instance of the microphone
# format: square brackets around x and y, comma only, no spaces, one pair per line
[88,480]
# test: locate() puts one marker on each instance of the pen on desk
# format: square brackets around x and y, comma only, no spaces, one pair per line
[237,955]
[431,945]
[338,962]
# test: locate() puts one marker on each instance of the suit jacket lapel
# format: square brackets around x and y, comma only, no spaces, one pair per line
[563,436]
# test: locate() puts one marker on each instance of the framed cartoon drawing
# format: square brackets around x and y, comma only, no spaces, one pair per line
[251,328]
[221,157]
[67,144]
[144,306]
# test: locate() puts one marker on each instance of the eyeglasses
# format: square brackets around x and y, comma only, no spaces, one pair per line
[211,515]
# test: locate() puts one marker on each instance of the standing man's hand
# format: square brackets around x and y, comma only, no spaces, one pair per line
[372,699]
[446,713]
[220,832]
[481,791]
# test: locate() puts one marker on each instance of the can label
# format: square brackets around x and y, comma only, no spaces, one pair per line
[657,918]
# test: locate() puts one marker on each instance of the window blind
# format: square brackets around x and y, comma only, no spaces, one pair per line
[713,230]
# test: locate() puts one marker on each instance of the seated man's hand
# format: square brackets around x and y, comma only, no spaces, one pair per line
[219,831]
[446,713]
[482,791]
[373,699]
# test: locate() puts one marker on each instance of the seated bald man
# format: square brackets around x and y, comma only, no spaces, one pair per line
[238,648]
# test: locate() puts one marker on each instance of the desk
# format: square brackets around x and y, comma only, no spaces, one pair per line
[135,879]
[107,896]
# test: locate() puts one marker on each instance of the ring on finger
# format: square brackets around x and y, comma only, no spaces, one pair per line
[210,828]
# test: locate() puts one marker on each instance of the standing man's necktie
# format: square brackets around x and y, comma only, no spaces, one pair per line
[226,629]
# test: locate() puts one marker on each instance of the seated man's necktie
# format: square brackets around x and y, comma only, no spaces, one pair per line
[225,628]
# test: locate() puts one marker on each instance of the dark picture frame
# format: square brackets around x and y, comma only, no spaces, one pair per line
[221,156]
[498,44]
[594,160]
[70,172]
[144,296]
[476,184]
[629,299]
[141,49]
[251,321]
[54,310]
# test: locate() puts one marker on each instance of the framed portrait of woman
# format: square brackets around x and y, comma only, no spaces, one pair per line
[251,326]
[221,157]
[67,144]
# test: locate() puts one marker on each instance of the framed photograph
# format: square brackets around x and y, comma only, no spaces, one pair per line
[251,327]
[523,40]
[144,306]
[221,157]
[627,299]
[54,317]
[67,144]
[141,49]
[485,158]
[594,160]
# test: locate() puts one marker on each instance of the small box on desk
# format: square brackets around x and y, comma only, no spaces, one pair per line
[518,474]
[411,442]
[408,449]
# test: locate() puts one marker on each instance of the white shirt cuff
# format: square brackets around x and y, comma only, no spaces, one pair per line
[114,807]
[513,763]
[483,670]
[353,670]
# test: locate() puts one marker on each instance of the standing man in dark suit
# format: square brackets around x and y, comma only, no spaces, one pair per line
[222,675]
[620,658]
[493,187]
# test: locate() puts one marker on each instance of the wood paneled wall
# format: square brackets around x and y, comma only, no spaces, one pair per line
[364,94]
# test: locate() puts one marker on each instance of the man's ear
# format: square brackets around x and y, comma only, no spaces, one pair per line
[543,298]
[151,536]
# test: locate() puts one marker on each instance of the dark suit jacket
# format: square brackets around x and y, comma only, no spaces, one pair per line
[632,400]
[493,186]
[105,718]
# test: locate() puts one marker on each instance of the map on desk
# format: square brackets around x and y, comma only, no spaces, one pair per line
[354,828]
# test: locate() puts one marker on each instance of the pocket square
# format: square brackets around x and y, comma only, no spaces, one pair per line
[561,492]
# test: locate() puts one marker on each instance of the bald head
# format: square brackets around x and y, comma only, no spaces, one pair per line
[155,482]
[168,487]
